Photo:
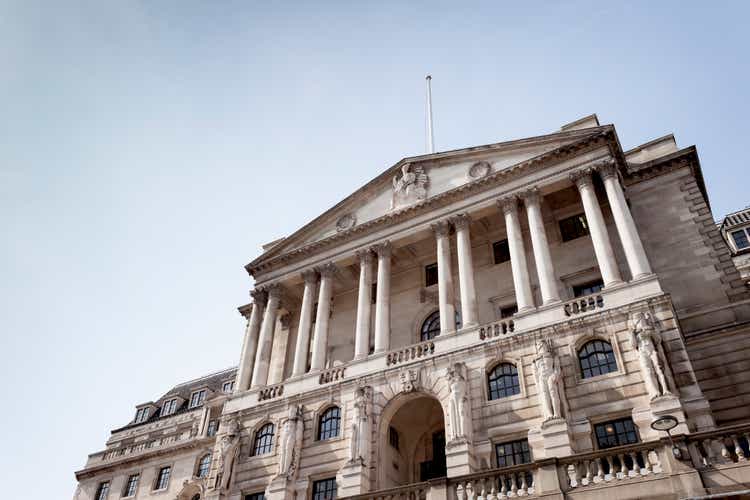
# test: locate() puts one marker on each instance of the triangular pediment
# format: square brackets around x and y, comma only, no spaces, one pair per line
[415,179]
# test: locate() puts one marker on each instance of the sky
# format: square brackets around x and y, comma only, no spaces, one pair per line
[148,149]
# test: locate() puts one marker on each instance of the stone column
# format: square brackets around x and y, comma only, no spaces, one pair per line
[305,321]
[542,257]
[518,266]
[250,343]
[469,307]
[265,342]
[605,257]
[445,278]
[383,298]
[320,337]
[631,241]
[364,309]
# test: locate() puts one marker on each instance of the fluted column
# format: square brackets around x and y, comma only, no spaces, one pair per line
[305,321]
[544,267]
[364,298]
[250,343]
[469,307]
[320,337]
[632,244]
[605,256]
[383,298]
[518,265]
[445,278]
[265,341]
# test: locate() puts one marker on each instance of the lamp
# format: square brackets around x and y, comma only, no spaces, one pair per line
[666,423]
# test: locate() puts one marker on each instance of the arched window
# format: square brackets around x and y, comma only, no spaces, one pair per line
[204,465]
[431,326]
[263,440]
[503,381]
[596,358]
[329,423]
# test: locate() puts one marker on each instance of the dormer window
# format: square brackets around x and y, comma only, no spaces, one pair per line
[197,398]
[741,238]
[141,415]
[228,387]
[169,407]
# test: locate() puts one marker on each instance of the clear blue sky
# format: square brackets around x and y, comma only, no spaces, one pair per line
[148,149]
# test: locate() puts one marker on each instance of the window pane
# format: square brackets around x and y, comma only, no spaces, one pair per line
[740,240]
[102,491]
[596,358]
[588,288]
[264,440]
[615,433]
[162,480]
[430,275]
[500,251]
[573,227]
[324,489]
[256,496]
[503,381]
[204,466]
[330,423]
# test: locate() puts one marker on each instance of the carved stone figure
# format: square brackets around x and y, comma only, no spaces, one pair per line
[410,380]
[360,427]
[653,361]
[458,402]
[290,442]
[229,448]
[549,381]
[410,187]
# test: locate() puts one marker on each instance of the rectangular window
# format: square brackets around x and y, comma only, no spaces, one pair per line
[588,288]
[324,489]
[500,251]
[169,407]
[141,415]
[513,453]
[213,426]
[131,485]
[573,227]
[162,479]
[430,275]
[615,433]
[256,496]
[228,387]
[373,293]
[393,437]
[741,239]
[102,491]
[197,398]
[508,311]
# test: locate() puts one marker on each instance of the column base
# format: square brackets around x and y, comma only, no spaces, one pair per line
[353,479]
[614,284]
[459,458]
[553,439]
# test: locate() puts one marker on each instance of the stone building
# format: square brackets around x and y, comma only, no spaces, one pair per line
[523,318]
[735,228]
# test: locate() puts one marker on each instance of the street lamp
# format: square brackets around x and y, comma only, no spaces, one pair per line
[666,423]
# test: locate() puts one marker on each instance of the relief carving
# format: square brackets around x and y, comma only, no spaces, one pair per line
[549,381]
[290,443]
[229,449]
[647,340]
[411,187]
[359,438]
[458,402]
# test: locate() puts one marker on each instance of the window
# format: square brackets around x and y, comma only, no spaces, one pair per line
[141,415]
[588,288]
[430,275]
[204,465]
[508,311]
[573,227]
[213,426]
[102,491]
[596,358]
[131,485]
[227,387]
[169,407]
[256,496]
[615,433]
[500,251]
[264,440]
[393,437]
[373,293]
[330,423]
[324,489]
[162,479]
[197,398]
[503,381]
[513,453]
[431,326]
[741,238]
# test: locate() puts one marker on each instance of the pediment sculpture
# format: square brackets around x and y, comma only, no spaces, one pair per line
[410,187]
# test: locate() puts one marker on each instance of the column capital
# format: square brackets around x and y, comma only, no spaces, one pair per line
[606,168]
[582,177]
[260,296]
[364,256]
[383,249]
[508,204]
[310,276]
[531,196]
[274,291]
[327,270]
[441,228]
[461,221]
[246,310]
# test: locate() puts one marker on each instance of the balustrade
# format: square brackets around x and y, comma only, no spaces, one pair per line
[613,464]
[504,482]
[270,392]
[721,446]
[415,491]
[583,304]
[332,375]
[410,353]
[503,327]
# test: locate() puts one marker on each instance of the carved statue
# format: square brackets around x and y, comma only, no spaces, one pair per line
[647,340]
[549,382]
[458,402]
[229,448]
[411,187]
[360,427]
[410,380]
[291,442]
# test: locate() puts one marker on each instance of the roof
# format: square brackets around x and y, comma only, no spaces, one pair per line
[738,218]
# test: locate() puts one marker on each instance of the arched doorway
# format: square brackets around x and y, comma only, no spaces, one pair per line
[412,440]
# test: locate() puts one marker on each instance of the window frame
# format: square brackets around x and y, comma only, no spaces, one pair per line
[158,475]
[433,317]
[230,383]
[126,485]
[579,287]
[259,495]
[104,485]
[576,216]
[201,395]
[428,271]
[328,480]
[512,443]
[614,421]
[494,251]
[169,407]
[258,435]
[212,427]
[519,379]
[141,415]
[200,465]
[321,420]
[745,231]
[617,361]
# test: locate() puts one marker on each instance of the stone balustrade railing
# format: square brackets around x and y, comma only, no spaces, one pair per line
[613,464]
[332,375]
[141,446]
[503,327]
[503,482]
[727,445]
[270,392]
[584,304]
[414,491]
[410,353]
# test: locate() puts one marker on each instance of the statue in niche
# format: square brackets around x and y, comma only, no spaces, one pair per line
[411,187]
[647,340]
[458,402]
[229,449]
[360,427]
[549,382]
[290,443]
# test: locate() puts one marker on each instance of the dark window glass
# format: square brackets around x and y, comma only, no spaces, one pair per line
[574,227]
[330,424]
[204,465]
[431,326]
[615,433]
[228,387]
[102,491]
[374,293]
[500,251]
[503,381]
[213,426]
[513,453]
[324,489]
[162,479]
[131,485]
[507,312]
[588,288]
[596,358]
[393,437]
[197,398]
[264,440]
[430,275]
[740,239]
[256,496]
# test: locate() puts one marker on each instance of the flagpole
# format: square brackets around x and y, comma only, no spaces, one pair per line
[430,138]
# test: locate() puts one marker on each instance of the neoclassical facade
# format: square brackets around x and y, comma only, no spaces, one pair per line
[547,317]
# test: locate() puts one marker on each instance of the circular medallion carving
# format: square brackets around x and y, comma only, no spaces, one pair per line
[479,169]
[345,222]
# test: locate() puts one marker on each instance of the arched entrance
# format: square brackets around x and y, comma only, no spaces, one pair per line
[191,491]
[412,440]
